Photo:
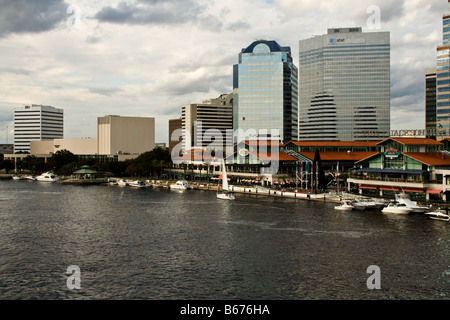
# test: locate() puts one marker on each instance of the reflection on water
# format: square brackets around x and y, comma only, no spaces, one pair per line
[159,244]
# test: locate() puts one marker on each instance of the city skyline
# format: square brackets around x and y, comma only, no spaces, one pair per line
[148,58]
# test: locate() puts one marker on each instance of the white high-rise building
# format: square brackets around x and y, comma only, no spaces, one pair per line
[344,86]
[208,124]
[36,123]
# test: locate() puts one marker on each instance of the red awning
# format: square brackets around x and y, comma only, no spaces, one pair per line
[368,187]
[434,191]
[413,190]
[389,189]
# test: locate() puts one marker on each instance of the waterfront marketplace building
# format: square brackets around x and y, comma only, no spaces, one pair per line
[419,166]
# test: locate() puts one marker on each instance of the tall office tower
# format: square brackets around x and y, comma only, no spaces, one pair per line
[430,103]
[36,123]
[443,82]
[266,92]
[206,124]
[344,85]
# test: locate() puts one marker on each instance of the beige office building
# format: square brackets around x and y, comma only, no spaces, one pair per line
[84,146]
[125,135]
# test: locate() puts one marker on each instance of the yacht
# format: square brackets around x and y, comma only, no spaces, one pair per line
[346,205]
[225,194]
[137,184]
[364,203]
[438,215]
[404,199]
[122,183]
[47,177]
[30,177]
[180,185]
[397,208]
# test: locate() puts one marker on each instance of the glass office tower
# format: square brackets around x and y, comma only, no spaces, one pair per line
[266,92]
[443,83]
[344,86]
[430,103]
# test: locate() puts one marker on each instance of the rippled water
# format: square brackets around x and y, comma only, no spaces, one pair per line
[160,244]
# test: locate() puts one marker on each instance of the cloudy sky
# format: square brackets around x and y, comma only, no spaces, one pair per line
[148,57]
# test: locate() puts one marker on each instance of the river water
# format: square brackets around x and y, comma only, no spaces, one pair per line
[171,245]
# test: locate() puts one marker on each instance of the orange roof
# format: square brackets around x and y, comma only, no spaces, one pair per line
[267,156]
[335,143]
[339,156]
[414,141]
[261,143]
[430,158]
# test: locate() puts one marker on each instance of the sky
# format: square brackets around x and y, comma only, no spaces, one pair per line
[147,58]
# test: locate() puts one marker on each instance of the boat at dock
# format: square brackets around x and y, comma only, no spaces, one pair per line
[137,184]
[47,177]
[346,205]
[226,194]
[364,204]
[397,208]
[122,183]
[439,214]
[404,199]
[17,177]
[181,185]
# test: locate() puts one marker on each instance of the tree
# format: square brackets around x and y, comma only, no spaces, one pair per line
[62,158]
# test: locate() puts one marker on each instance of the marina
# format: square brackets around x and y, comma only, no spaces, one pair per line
[155,243]
[349,202]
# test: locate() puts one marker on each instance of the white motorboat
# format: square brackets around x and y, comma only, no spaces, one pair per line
[364,203]
[17,177]
[30,177]
[404,198]
[346,205]
[47,177]
[225,194]
[181,185]
[397,208]
[122,183]
[137,184]
[438,215]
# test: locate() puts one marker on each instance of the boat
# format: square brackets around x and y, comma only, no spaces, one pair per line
[181,185]
[364,203]
[30,177]
[47,177]
[346,205]
[122,183]
[225,194]
[404,198]
[17,177]
[438,215]
[397,208]
[137,184]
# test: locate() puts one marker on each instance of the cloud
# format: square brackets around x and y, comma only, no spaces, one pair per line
[150,57]
[151,12]
[28,16]
[168,13]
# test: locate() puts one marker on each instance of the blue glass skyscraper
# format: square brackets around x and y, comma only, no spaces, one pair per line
[266,92]
[443,83]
